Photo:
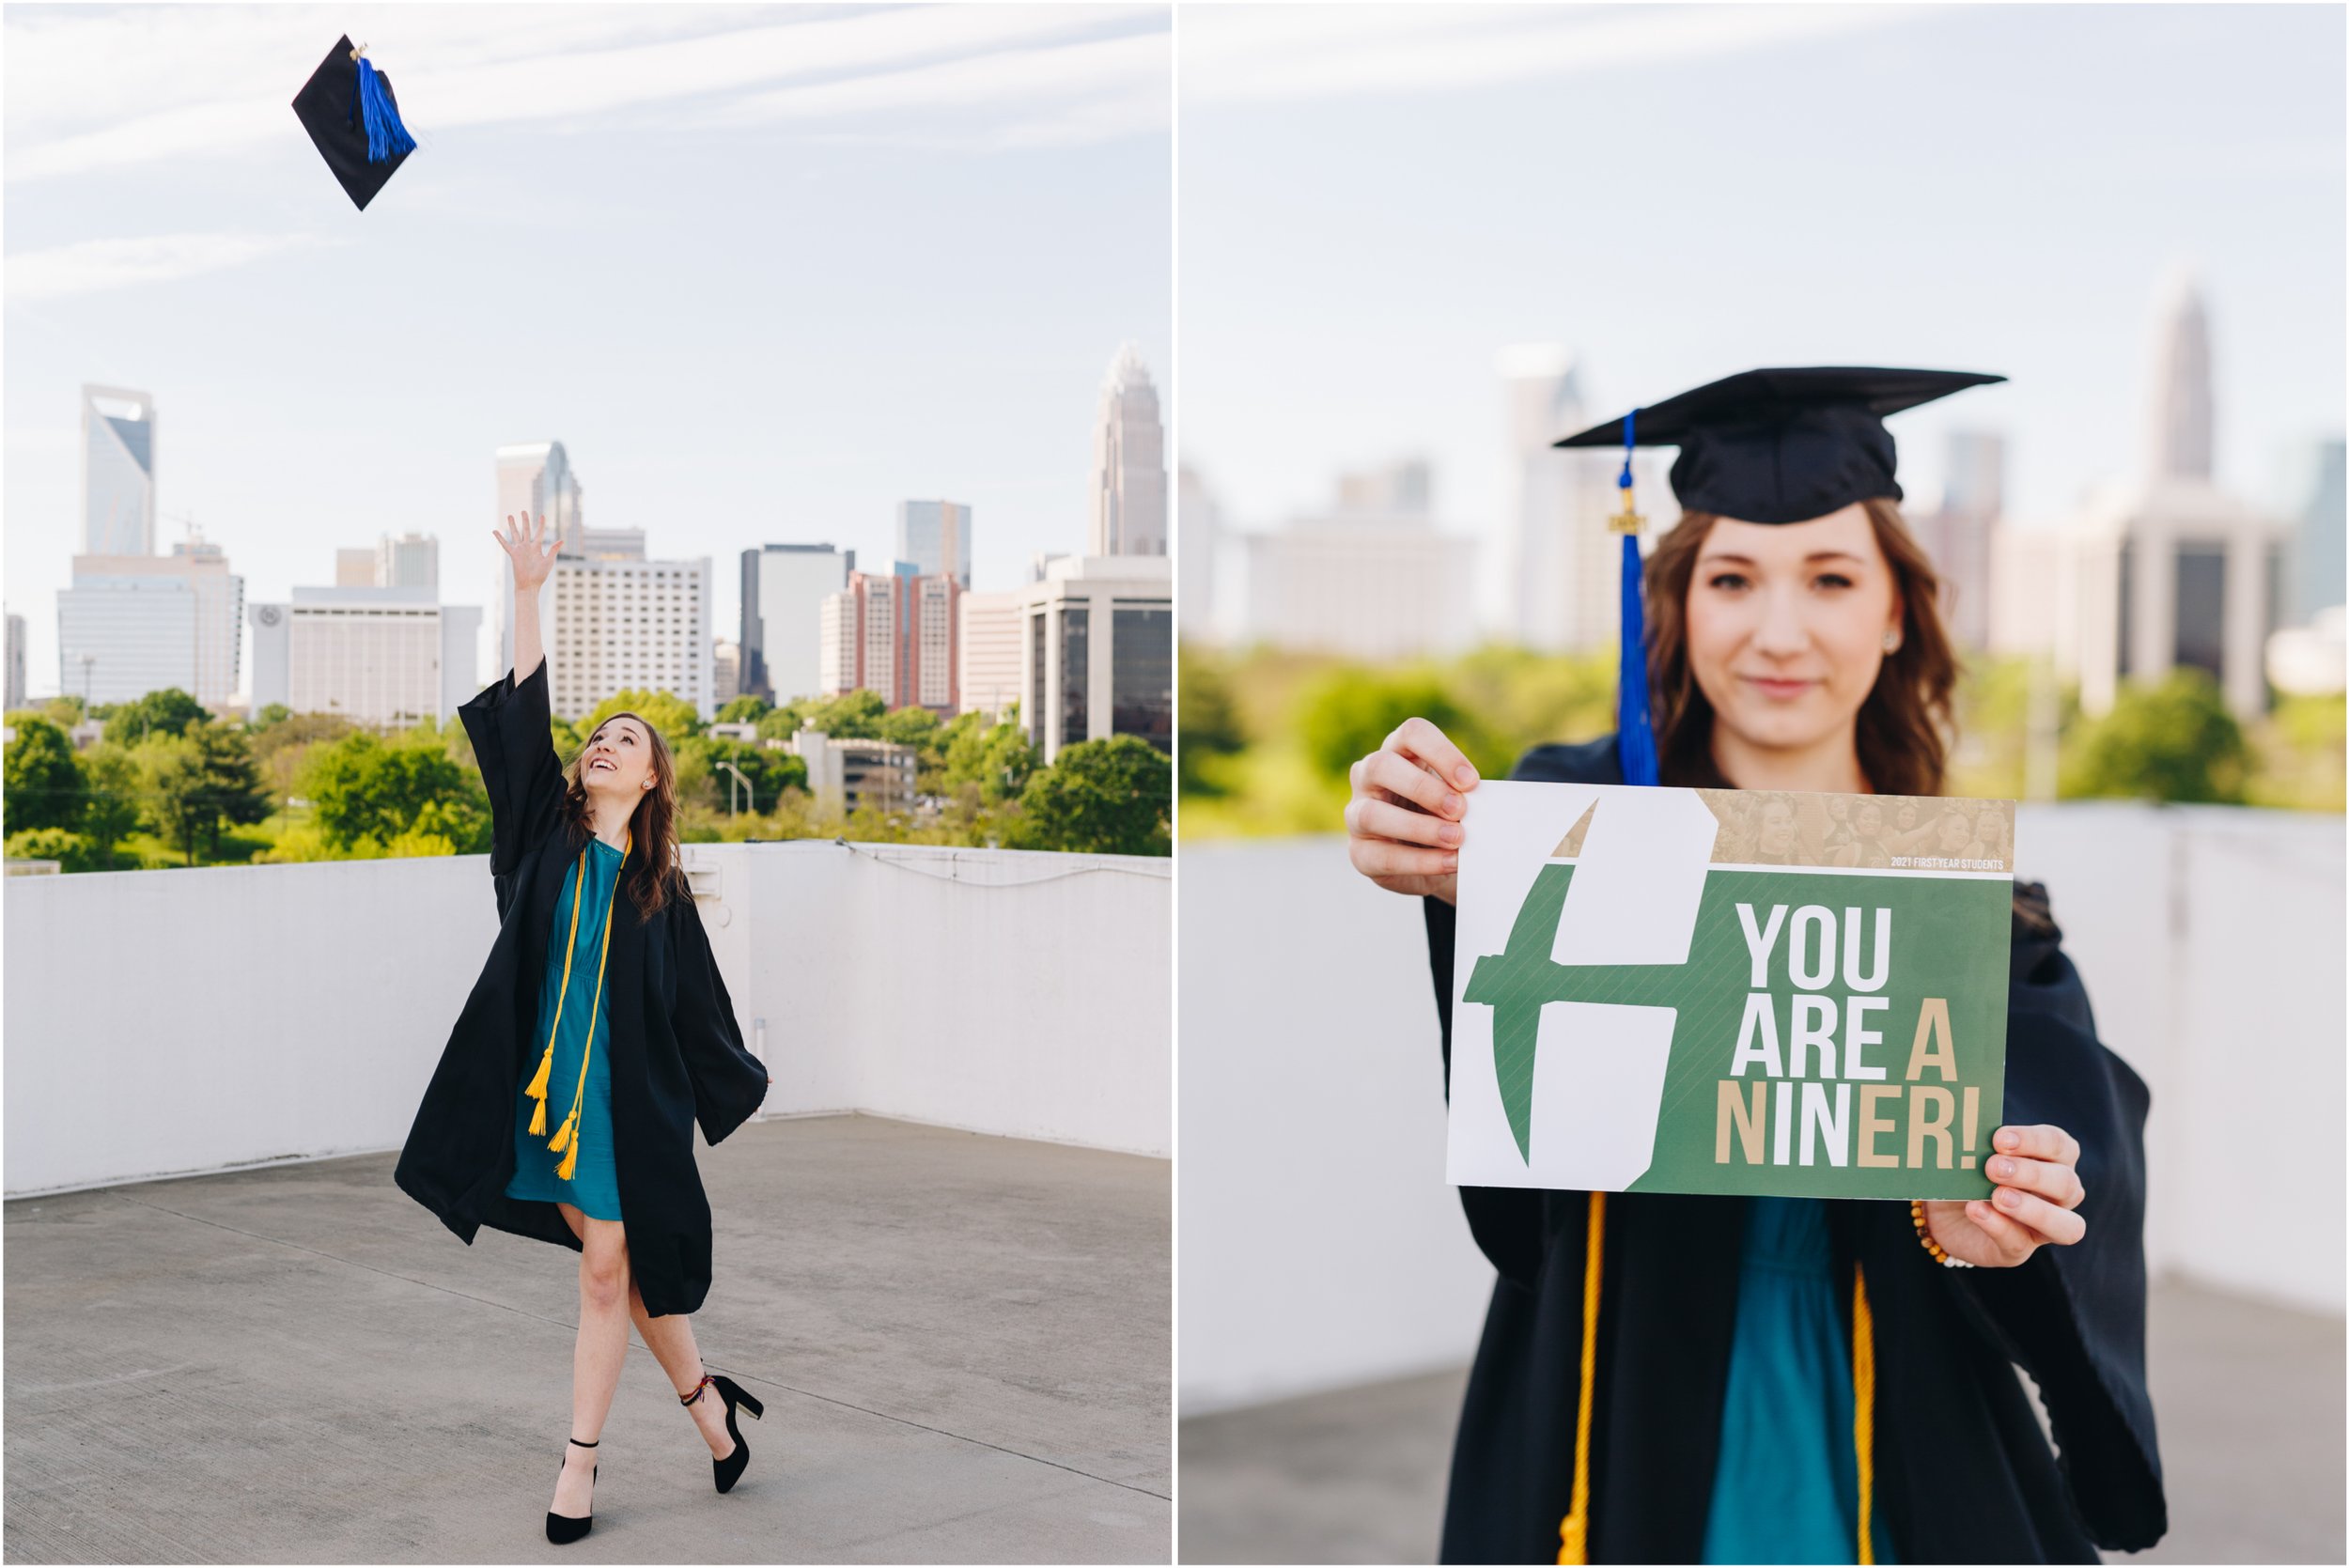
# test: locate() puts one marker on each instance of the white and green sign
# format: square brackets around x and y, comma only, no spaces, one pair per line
[1717,990]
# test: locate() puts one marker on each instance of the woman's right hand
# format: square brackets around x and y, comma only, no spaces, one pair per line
[1403,824]
[533,559]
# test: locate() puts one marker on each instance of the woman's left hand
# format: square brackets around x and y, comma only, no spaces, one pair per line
[2032,1207]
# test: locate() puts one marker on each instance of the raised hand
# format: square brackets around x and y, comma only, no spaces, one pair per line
[1403,824]
[2039,1186]
[531,552]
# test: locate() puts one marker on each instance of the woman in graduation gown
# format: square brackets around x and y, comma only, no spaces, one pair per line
[1784,1380]
[598,1034]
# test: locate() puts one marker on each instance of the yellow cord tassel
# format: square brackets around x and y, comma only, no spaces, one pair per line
[1574,1532]
[1863,1416]
[565,1139]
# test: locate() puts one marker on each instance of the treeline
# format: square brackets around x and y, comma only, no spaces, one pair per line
[1268,735]
[169,784]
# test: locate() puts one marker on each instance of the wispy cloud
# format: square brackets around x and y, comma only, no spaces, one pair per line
[207,82]
[96,264]
[1296,52]
[1063,91]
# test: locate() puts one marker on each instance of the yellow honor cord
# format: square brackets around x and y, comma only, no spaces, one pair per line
[1863,1414]
[1574,1531]
[565,1139]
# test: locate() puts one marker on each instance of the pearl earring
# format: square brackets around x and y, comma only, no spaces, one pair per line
[1892,640]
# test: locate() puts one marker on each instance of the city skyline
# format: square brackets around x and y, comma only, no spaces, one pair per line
[807,363]
[1451,218]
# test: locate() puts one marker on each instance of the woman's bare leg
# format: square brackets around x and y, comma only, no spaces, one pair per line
[670,1338]
[604,1286]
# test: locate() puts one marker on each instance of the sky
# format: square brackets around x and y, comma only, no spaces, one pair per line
[1374,203]
[764,271]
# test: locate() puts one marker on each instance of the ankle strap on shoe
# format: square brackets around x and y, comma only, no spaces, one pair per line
[707,1381]
[588,1445]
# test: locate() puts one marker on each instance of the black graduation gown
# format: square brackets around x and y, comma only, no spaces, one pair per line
[676,1051]
[1962,1472]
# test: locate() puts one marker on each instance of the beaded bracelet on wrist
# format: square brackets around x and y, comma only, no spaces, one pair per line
[1924,1237]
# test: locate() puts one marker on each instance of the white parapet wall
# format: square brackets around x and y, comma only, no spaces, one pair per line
[1322,1248]
[164,1022]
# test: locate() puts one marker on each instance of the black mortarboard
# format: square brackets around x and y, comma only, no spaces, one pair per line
[1782,445]
[347,108]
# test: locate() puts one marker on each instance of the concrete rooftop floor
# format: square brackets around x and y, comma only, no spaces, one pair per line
[2248,1400]
[963,1345]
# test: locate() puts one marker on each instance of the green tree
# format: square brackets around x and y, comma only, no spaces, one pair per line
[169,711]
[768,773]
[748,709]
[41,779]
[270,717]
[235,793]
[71,851]
[112,810]
[177,786]
[917,727]
[1348,711]
[851,716]
[992,761]
[1100,797]
[362,789]
[1207,724]
[2167,741]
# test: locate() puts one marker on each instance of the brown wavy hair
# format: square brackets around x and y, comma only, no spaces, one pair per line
[655,873]
[1904,726]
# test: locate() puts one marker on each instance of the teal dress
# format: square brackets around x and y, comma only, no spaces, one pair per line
[1787,1483]
[594,1187]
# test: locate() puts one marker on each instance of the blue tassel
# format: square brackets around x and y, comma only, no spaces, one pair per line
[386,136]
[1635,742]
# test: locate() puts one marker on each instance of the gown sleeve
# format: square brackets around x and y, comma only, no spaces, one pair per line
[513,743]
[2074,1317]
[729,1083]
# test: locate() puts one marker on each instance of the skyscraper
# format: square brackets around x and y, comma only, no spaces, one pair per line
[934,538]
[2164,568]
[784,589]
[383,656]
[117,472]
[1097,652]
[988,664]
[1957,534]
[135,624]
[615,623]
[2179,429]
[1567,563]
[16,661]
[1373,578]
[409,561]
[895,636]
[2318,579]
[534,479]
[1202,523]
[1129,464]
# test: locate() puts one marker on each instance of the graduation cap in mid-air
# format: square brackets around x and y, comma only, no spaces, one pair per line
[347,108]
[1771,446]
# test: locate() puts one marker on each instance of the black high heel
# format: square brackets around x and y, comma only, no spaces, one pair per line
[562,1529]
[728,1470]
